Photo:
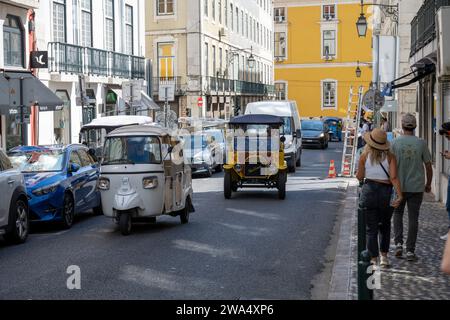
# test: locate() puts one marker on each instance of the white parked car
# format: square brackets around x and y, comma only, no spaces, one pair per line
[14,222]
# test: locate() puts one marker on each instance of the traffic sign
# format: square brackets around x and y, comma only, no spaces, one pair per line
[131,90]
[373,98]
[200,102]
[167,92]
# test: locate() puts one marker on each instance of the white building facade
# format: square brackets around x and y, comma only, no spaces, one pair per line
[100,41]
[218,53]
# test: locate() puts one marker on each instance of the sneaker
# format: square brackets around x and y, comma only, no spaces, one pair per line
[411,256]
[384,262]
[399,250]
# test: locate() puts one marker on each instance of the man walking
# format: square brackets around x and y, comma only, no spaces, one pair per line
[413,157]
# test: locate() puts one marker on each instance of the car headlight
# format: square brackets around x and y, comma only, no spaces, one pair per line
[103,183]
[46,190]
[322,135]
[150,183]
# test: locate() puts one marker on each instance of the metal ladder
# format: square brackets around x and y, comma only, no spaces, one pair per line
[352,123]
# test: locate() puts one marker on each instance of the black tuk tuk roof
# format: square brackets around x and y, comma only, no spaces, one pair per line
[257,119]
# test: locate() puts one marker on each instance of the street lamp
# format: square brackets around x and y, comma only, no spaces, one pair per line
[358,71]
[251,61]
[361,23]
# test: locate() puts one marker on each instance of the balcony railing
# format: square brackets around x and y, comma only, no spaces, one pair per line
[69,58]
[423,26]
[175,81]
[238,86]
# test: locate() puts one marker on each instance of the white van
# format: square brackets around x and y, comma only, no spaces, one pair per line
[292,126]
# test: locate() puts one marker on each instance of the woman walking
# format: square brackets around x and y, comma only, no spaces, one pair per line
[378,170]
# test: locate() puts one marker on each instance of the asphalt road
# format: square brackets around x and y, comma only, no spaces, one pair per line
[251,247]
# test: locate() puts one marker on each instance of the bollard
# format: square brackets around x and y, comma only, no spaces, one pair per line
[364,293]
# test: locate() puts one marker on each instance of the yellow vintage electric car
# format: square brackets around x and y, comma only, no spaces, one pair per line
[255,154]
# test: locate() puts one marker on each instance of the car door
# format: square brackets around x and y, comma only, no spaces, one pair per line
[89,188]
[9,180]
[77,180]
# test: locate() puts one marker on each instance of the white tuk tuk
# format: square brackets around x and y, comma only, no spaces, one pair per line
[94,133]
[143,176]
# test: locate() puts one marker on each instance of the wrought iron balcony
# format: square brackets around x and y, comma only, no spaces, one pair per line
[216,84]
[69,58]
[423,26]
[175,81]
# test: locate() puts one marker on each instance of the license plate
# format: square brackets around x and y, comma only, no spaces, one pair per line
[309,140]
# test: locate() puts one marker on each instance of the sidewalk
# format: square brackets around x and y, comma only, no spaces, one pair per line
[421,280]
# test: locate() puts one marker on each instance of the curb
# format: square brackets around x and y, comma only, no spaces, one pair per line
[343,278]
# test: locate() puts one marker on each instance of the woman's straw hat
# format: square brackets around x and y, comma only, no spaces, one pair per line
[377,139]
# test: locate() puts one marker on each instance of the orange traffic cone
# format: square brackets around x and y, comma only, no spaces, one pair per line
[332,170]
[346,172]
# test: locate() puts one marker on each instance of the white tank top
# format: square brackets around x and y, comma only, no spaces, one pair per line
[375,171]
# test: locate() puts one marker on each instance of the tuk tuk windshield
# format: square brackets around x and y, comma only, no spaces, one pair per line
[132,150]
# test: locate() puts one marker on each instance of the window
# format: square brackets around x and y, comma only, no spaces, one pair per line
[129,30]
[220,11]
[226,12]
[220,61]
[213,8]
[75,159]
[329,12]
[206,60]
[165,7]
[85,158]
[109,25]
[214,60]
[329,43]
[280,44]
[242,22]
[59,21]
[166,60]
[280,90]
[86,23]
[231,16]
[237,20]
[329,94]
[279,15]
[246,25]
[206,9]
[13,42]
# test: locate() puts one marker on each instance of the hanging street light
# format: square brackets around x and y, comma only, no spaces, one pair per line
[251,61]
[358,71]
[361,24]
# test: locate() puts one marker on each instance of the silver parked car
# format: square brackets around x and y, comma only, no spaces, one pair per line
[14,223]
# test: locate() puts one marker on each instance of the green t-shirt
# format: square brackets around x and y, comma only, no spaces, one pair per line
[411,154]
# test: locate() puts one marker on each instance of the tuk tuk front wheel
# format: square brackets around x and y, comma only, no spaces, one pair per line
[227,185]
[125,223]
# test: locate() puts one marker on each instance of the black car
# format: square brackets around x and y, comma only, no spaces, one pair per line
[315,133]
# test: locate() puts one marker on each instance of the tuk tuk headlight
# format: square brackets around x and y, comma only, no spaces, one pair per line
[150,183]
[238,168]
[288,145]
[103,183]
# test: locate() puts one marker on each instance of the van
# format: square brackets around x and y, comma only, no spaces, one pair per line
[292,127]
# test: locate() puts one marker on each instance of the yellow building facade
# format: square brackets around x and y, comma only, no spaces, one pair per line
[317,51]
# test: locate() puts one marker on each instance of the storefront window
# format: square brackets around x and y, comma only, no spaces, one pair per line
[61,120]
[13,131]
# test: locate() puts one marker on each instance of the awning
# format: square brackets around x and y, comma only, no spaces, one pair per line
[33,92]
[147,103]
[421,73]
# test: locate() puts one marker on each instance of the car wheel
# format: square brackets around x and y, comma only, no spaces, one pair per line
[282,185]
[227,185]
[299,160]
[291,165]
[219,168]
[184,216]
[19,224]
[68,212]
[98,211]
[209,172]
[125,224]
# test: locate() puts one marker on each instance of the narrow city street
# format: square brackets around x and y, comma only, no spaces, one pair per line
[253,246]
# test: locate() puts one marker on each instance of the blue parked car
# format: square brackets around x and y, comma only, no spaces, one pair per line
[61,181]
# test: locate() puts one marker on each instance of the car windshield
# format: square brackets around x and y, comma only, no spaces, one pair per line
[38,161]
[196,142]
[132,150]
[312,125]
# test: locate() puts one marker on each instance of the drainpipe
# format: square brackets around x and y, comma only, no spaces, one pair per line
[200,46]
[34,122]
